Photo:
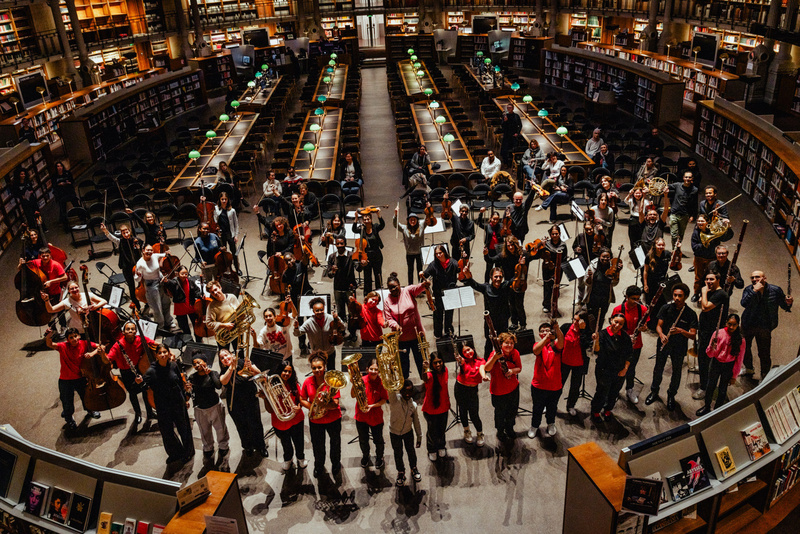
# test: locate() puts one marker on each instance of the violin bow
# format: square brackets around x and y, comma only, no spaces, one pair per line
[197,250]
[397,226]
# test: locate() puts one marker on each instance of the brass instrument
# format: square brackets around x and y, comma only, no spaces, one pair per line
[335,380]
[356,380]
[423,345]
[716,229]
[242,318]
[388,356]
[639,184]
[278,396]
[657,186]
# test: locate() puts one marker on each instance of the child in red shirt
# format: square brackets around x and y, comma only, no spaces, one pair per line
[71,353]
[546,384]
[435,406]
[371,421]
[466,391]
[503,367]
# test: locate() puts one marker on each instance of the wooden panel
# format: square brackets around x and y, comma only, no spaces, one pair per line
[456,157]
[489,86]
[335,91]
[193,521]
[254,99]
[606,475]
[321,163]
[737,520]
[732,500]
[416,86]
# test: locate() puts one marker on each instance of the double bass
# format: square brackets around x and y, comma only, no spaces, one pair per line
[56,253]
[102,326]
[277,266]
[205,211]
[31,310]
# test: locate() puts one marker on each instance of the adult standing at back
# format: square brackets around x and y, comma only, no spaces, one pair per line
[512,127]
[761,301]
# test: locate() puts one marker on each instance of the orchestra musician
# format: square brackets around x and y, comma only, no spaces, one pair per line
[443,273]
[130,345]
[633,311]
[465,392]
[75,303]
[496,301]
[341,269]
[372,268]
[371,421]
[653,224]
[614,350]
[228,224]
[274,337]
[290,432]
[504,385]
[684,208]
[546,384]
[728,272]
[209,410]
[329,423]
[511,255]
[318,330]
[713,302]
[761,301]
[726,353]
[555,247]
[435,406]
[413,240]
[208,245]
[574,362]
[149,226]
[373,320]
[492,238]
[54,274]
[148,270]
[463,231]
[242,402]
[403,424]
[185,291]
[656,269]
[222,307]
[130,250]
[401,312]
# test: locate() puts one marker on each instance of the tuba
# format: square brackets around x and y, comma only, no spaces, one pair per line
[356,380]
[389,367]
[242,318]
[277,395]
[335,380]
[657,186]
[716,229]
[423,345]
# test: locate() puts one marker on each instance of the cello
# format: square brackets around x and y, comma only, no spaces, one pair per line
[205,210]
[103,324]
[56,253]
[103,391]
[223,260]
[31,310]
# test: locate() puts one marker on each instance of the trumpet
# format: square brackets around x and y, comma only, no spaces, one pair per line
[356,381]
[423,345]
[277,395]
[335,380]
[389,366]
[242,318]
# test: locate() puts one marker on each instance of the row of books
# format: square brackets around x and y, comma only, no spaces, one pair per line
[789,472]
[784,416]
[58,505]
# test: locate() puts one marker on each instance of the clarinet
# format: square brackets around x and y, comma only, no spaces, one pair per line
[728,286]
[644,318]
[495,343]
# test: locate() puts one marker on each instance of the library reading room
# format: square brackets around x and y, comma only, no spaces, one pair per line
[250,240]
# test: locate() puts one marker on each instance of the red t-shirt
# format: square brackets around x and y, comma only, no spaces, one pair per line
[373,323]
[633,314]
[309,391]
[572,354]
[500,385]
[184,308]
[547,369]
[298,418]
[52,271]
[444,395]
[134,351]
[71,358]
[471,375]
[375,393]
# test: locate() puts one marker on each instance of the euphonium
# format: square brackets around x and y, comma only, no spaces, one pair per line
[277,395]
[335,380]
[657,186]
[389,367]
[716,228]
[242,318]
[356,380]
[423,345]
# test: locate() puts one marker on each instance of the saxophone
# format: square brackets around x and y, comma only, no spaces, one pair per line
[423,345]
[277,395]
[335,380]
[359,390]
[242,318]
[388,356]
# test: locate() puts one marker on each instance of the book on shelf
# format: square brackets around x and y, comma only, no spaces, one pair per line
[78,517]
[35,497]
[143,527]
[117,528]
[678,486]
[642,495]
[104,523]
[130,526]
[696,472]
[58,505]
[755,441]
[725,459]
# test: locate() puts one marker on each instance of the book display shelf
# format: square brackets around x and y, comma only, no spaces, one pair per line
[218,70]
[745,454]
[525,53]
[470,44]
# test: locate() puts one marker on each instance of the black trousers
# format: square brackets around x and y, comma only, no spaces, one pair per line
[544,401]
[127,272]
[575,375]
[505,411]
[676,357]
[186,324]
[129,381]
[292,442]
[434,437]
[364,431]
[66,392]
[518,309]
[442,319]
[411,260]
[634,231]
[631,375]
[703,360]
[399,441]
[608,386]
[373,271]
[405,347]
[719,376]
[468,405]
[176,431]
[246,415]
[763,337]
[334,431]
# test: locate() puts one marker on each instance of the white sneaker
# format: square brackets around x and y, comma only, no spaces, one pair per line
[699,394]
[432,456]
[468,436]
[573,412]
[632,396]
[481,440]
[302,464]
[442,453]
[538,208]
[532,431]
[552,430]
[286,465]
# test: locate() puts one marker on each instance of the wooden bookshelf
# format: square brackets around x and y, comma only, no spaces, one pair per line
[327,6]
[93,131]
[469,44]
[394,22]
[397,45]
[39,166]
[757,157]
[653,97]
[100,20]
[517,21]
[17,39]
[332,25]
[525,53]
[584,27]
[218,70]
[213,12]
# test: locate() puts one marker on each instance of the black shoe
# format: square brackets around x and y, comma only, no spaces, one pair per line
[596,418]
[336,470]
[317,472]
[94,415]
[208,457]
[670,403]
[151,414]
[653,397]
[245,203]
[223,453]
[501,435]
[137,420]
[379,464]
[513,328]
[695,297]
[249,452]
[365,462]
[691,269]
[263,452]
[71,424]
[702,411]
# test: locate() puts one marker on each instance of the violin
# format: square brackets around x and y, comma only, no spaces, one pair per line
[31,309]
[599,241]
[371,209]
[447,209]
[463,264]
[224,263]
[430,216]
[428,296]
[302,249]
[277,266]
[168,265]
[543,193]
[148,356]
[520,282]
[615,267]
[338,329]
[359,252]
[200,306]
[161,246]
[354,320]
[286,310]
[675,259]
[205,211]
[505,231]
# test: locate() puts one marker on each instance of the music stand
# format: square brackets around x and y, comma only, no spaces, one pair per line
[246,278]
[209,351]
[638,258]
[574,269]
[457,298]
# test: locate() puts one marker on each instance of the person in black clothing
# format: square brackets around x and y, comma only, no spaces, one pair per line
[655,271]
[677,323]
[230,96]
[22,187]
[586,245]
[519,215]
[604,159]
[63,190]
[729,274]
[350,174]
[296,276]
[463,232]
[373,266]
[496,298]
[243,405]
[185,291]
[302,207]
[149,226]
[281,238]
[690,165]
[761,302]
[443,272]
[512,126]
[130,250]
[26,131]
[614,351]
[511,255]
[491,239]
[172,400]
[209,411]
[600,286]
[652,143]
[342,269]
[31,244]
[683,209]
[710,205]
[713,302]
[703,254]
[555,251]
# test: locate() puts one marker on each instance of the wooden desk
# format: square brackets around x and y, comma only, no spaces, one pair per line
[256,98]
[595,485]
[430,133]
[230,137]
[502,89]
[322,163]
[416,86]
[335,91]
[549,140]
[224,501]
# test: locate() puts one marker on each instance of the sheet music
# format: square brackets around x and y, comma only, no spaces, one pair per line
[148,328]
[564,233]
[577,267]
[383,293]
[429,253]
[116,297]
[640,255]
[576,210]
[438,227]
[459,297]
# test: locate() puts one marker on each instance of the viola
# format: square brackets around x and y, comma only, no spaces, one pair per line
[223,260]
[371,209]
[598,242]
[31,310]
[354,320]
[615,267]
[430,216]
[520,282]
[338,329]
[505,231]
[360,250]
[675,259]
[535,247]
[169,265]
[447,209]
[161,246]
[277,266]
[205,211]
[428,296]
[286,310]
[200,306]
